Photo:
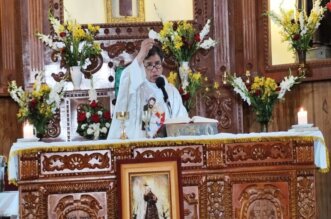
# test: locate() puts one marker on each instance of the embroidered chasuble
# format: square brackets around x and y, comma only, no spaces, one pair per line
[137,94]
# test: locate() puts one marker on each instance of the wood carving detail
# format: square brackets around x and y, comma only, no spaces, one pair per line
[261,202]
[31,205]
[306,197]
[215,156]
[188,155]
[219,108]
[195,196]
[256,152]
[217,205]
[29,166]
[75,161]
[86,206]
[304,154]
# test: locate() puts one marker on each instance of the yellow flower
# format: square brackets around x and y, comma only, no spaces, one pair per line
[172,78]
[196,76]
[22,113]
[216,85]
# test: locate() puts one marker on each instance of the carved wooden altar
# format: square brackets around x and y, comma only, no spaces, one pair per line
[220,178]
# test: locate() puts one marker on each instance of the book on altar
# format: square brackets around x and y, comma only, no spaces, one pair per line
[186,126]
[194,119]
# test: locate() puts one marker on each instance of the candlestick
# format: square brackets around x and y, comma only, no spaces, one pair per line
[302,117]
[28,130]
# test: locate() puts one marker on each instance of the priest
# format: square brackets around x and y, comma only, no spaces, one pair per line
[145,93]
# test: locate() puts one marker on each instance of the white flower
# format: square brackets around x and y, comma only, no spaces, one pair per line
[99,113]
[92,93]
[88,115]
[87,62]
[207,43]
[107,124]
[89,131]
[55,24]
[285,85]
[104,130]
[56,94]
[241,89]
[153,35]
[84,126]
[205,30]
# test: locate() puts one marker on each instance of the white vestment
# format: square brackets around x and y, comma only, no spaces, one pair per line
[134,93]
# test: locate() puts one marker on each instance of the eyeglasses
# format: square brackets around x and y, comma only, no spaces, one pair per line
[150,65]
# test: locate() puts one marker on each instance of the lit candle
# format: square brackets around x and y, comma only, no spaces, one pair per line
[28,130]
[302,117]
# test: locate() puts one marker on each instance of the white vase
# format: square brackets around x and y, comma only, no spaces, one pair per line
[184,70]
[76,76]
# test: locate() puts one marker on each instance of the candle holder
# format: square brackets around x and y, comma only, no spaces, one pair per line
[122,116]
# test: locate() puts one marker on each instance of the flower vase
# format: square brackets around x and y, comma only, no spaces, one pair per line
[184,70]
[39,130]
[303,67]
[264,126]
[76,76]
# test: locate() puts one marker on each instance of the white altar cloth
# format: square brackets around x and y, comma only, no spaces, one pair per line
[321,155]
[9,204]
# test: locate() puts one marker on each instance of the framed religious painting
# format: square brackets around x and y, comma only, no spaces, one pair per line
[125,11]
[150,188]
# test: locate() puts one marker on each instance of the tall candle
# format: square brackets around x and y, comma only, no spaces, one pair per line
[302,117]
[28,130]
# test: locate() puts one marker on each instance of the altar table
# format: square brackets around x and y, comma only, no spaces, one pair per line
[257,175]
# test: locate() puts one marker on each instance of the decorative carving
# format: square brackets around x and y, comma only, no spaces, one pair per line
[195,196]
[56,199]
[86,206]
[82,162]
[122,153]
[53,128]
[240,153]
[31,205]
[217,197]
[219,108]
[215,156]
[305,154]
[191,199]
[29,166]
[306,197]
[190,156]
[261,201]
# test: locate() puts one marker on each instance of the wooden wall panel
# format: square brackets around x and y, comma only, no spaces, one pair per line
[10,129]
[10,40]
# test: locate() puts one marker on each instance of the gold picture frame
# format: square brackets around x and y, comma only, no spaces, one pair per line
[150,186]
[111,18]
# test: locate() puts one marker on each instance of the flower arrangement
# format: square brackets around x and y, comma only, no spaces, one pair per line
[297,27]
[93,120]
[181,39]
[38,105]
[263,93]
[196,84]
[75,44]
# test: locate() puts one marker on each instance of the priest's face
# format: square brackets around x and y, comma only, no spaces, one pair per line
[153,67]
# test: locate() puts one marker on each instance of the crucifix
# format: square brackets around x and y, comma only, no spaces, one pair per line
[125,7]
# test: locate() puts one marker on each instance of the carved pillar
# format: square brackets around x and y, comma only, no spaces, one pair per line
[34,16]
[10,43]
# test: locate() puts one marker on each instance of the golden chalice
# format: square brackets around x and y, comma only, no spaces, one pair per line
[122,116]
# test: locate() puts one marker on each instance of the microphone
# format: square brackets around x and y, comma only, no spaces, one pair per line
[160,83]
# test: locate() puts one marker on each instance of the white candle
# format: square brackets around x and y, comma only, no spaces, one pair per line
[302,117]
[28,130]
